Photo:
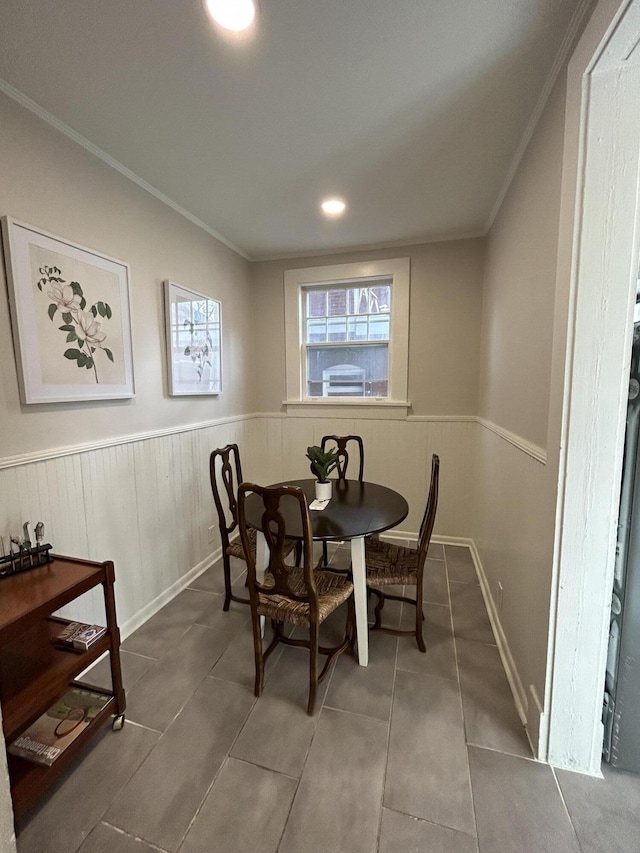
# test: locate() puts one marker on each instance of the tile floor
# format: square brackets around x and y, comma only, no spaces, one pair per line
[414,753]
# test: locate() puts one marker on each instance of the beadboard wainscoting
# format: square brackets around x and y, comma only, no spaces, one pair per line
[512,545]
[397,454]
[145,503]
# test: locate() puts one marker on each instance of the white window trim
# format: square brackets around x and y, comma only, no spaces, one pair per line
[398,269]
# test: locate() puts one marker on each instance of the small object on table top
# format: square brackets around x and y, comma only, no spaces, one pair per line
[39,528]
[316,504]
[27,538]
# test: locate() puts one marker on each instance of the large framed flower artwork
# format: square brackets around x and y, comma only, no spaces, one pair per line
[71,318]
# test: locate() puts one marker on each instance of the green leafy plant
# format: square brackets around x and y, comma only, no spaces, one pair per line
[81,327]
[322,461]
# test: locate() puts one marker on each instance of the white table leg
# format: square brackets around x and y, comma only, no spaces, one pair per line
[358,567]
[262,561]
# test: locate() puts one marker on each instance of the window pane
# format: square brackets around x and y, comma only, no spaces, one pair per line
[316,303]
[337,302]
[379,327]
[337,329]
[317,330]
[357,329]
[349,371]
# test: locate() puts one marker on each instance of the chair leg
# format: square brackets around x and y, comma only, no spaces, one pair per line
[313,669]
[258,656]
[350,629]
[419,621]
[419,617]
[325,555]
[378,611]
[227,581]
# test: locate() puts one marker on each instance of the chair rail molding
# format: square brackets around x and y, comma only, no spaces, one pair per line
[527,447]
[101,444]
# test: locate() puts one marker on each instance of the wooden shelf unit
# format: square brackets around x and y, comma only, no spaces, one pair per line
[34,674]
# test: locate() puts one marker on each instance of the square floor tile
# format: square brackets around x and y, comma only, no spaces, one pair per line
[435,588]
[237,663]
[605,812]
[490,715]
[245,811]
[365,690]
[133,668]
[337,805]
[94,780]
[440,657]
[279,730]
[428,770]
[164,629]
[161,799]
[470,620]
[517,805]
[168,684]
[460,565]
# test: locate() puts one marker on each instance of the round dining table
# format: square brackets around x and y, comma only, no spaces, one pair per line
[356,509]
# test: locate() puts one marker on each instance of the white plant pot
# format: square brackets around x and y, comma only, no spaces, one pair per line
[323,491]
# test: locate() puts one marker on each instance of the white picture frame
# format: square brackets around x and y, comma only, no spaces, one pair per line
[70,316]
[193,325]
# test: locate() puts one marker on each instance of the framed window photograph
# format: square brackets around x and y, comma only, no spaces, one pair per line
[70,316]
[194,349]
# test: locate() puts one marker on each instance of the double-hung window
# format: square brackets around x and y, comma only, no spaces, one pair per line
[347,333]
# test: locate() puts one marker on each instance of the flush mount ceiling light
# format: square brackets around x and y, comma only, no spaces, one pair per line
[233,15]
[333,207]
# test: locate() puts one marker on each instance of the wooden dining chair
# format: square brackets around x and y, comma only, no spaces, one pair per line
[389,564]
[342,444]
[225,471]
[297,595]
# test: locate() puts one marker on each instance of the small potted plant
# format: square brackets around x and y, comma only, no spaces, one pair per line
[323,462]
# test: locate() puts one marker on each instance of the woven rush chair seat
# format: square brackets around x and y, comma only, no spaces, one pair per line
[389,564]
[235,549]
[332,589]
[297,595]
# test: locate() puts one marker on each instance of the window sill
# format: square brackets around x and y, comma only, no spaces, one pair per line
[369,406]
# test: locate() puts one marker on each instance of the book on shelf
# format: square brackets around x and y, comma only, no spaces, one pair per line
[47,738]
[79,636]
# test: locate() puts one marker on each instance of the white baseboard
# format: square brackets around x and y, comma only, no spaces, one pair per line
[511,671]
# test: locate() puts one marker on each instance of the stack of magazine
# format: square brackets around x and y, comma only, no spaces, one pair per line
[79,636]
[47,738]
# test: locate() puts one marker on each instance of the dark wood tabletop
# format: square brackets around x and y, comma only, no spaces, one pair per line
[355,509]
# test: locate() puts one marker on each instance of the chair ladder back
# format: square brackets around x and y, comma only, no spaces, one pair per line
[273,527]
[342,442]
[225,472]
[428,520]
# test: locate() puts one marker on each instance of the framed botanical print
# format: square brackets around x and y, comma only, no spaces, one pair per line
[194,349]
[70,315]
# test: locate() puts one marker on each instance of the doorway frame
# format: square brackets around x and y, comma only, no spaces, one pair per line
[598,255]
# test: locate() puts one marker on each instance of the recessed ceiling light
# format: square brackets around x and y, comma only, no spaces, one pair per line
[233,15]
[333,206]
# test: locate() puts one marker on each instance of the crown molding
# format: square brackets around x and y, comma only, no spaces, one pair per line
[74,136]
[561,59]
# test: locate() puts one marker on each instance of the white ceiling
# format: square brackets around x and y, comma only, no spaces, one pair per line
[412,110]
